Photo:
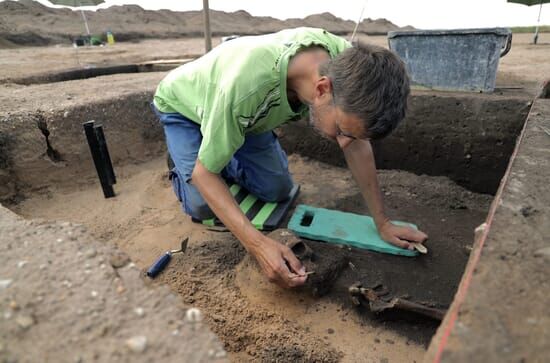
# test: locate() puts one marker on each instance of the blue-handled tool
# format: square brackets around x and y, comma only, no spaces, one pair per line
[161,263]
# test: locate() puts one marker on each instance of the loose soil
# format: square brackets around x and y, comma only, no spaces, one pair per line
[66,297]
[255,319]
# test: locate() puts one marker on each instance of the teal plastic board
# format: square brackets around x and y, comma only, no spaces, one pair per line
[343,228]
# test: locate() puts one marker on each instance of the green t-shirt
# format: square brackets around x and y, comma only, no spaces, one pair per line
[239,87]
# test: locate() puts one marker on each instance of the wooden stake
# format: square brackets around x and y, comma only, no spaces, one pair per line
[207,33]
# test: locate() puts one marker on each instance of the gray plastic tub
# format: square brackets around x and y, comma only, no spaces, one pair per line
[454,60]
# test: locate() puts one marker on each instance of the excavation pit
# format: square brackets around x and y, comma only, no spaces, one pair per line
[439,171]
[85,72]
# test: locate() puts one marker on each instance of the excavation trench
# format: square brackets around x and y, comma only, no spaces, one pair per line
[439,170]
[86,72]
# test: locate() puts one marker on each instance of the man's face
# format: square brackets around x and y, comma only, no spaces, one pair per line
[331,122]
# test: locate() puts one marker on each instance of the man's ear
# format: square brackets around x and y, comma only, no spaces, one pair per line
[323,87]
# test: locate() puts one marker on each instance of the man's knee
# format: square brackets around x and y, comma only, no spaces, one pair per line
[191,200]
[278,190]
[199,210]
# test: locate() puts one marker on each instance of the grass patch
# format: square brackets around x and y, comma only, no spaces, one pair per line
[530,29]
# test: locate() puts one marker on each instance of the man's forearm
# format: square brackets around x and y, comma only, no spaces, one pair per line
[360,159]
[277,260]
[216,193]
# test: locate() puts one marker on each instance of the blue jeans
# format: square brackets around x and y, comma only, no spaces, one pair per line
[260,165]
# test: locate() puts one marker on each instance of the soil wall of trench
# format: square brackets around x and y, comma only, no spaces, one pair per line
[466,137]
[132,132]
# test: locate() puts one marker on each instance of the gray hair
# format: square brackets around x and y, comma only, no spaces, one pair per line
[371,83]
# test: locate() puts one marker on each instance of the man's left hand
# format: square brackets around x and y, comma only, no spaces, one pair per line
[401,236]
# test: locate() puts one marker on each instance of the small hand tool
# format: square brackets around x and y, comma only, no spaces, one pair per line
[163,260]
[419,247]
[305,274]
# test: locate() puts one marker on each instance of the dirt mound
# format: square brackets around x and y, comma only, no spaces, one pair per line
[28,22]
[66,297]
[377,26]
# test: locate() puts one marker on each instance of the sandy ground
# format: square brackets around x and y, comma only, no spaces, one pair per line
[21,62]
[254,319]
[524,66]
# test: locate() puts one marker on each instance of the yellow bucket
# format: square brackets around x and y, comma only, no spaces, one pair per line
[110,38]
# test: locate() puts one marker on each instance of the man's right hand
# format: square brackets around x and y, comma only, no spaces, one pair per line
[277,260]
[279,264]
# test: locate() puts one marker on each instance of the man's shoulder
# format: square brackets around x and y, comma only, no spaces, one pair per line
[305,36]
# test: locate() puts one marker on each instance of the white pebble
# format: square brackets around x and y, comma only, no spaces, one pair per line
[93,293]
[543,252]
[4,284]
[91,253]
[481,228]
[139,311]
[59,240]
[193,315]
[175,332]
[24,321]
[20,264]
[137,344]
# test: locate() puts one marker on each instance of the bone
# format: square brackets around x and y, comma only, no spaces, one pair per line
[378,304]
